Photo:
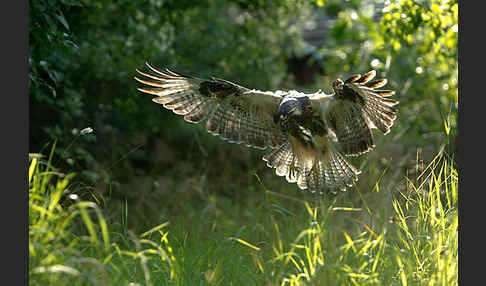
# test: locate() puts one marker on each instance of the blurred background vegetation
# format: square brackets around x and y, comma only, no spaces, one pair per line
[83,56]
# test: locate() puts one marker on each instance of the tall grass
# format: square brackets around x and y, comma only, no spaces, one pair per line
[408,237]
[70,241]
[418,246]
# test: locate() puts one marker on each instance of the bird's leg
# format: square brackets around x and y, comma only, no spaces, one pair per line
[292,169]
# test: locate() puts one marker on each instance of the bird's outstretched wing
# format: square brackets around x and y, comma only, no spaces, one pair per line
[356,107]
[233,112]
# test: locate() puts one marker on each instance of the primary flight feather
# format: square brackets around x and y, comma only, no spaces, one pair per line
[308,135]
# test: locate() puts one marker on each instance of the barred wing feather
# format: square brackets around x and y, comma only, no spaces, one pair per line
[357,107]
[233,112]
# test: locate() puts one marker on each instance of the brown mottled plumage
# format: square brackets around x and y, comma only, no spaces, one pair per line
[308,134]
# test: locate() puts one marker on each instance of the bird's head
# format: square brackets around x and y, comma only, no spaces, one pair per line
[337,85]
[289,107]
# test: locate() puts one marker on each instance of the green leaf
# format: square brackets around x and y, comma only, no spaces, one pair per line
[62,19]
[446,127]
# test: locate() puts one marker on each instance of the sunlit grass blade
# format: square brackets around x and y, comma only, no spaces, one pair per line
[245,243]
[32,167]
[154,229]
[346,209]
[403,276]
[56,269]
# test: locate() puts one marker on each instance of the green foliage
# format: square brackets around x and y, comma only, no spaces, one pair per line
[52,47]
[415,245]
[51,44]
[281,241]
[70,240]
[426,33]
[143,166]
[244,41]
[414,45]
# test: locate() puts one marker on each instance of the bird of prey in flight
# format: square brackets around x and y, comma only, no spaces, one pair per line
[308,136]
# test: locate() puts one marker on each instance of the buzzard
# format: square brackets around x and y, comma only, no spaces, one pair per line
[308,135]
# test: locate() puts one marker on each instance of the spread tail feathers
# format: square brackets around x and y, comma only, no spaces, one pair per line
[310,170]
